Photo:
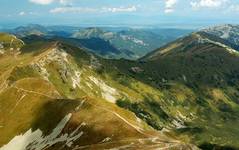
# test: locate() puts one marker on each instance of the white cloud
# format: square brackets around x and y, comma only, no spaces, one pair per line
[120,9]
[92,10]
[72,10]
[42,2]
[65,2]
[207,3]
[46,2]
[168,10]
[169,6]
[22,13]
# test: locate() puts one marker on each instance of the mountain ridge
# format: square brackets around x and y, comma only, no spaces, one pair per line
[185,91]
[103,41]
[58,77]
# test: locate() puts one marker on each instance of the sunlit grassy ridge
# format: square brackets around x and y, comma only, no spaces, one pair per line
[187,89]
[47,81]
[210,72]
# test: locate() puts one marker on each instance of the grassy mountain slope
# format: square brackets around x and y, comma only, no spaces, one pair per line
[54,95]
[208,71]
[187,89]
[9,44]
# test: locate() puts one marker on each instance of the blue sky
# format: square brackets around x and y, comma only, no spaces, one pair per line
[119,12]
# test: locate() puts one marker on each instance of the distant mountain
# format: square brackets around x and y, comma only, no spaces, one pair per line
[32,29]
[39,30]
[107,42]
[227,34]
[91,33]
[137,41]
[104,43]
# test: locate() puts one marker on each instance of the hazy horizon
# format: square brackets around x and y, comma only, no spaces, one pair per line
[130,13]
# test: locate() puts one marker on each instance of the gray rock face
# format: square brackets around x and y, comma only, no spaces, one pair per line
[227,32]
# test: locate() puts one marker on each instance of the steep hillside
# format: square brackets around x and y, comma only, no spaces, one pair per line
[9,44]
[202,74]
[184,92]
[49,97]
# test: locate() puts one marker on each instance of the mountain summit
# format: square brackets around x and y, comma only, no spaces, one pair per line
[227,32]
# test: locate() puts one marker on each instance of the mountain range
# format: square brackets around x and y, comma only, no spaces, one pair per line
[58,92]
[114,43]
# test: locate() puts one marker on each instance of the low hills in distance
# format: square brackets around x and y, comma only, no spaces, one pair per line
[108,42]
